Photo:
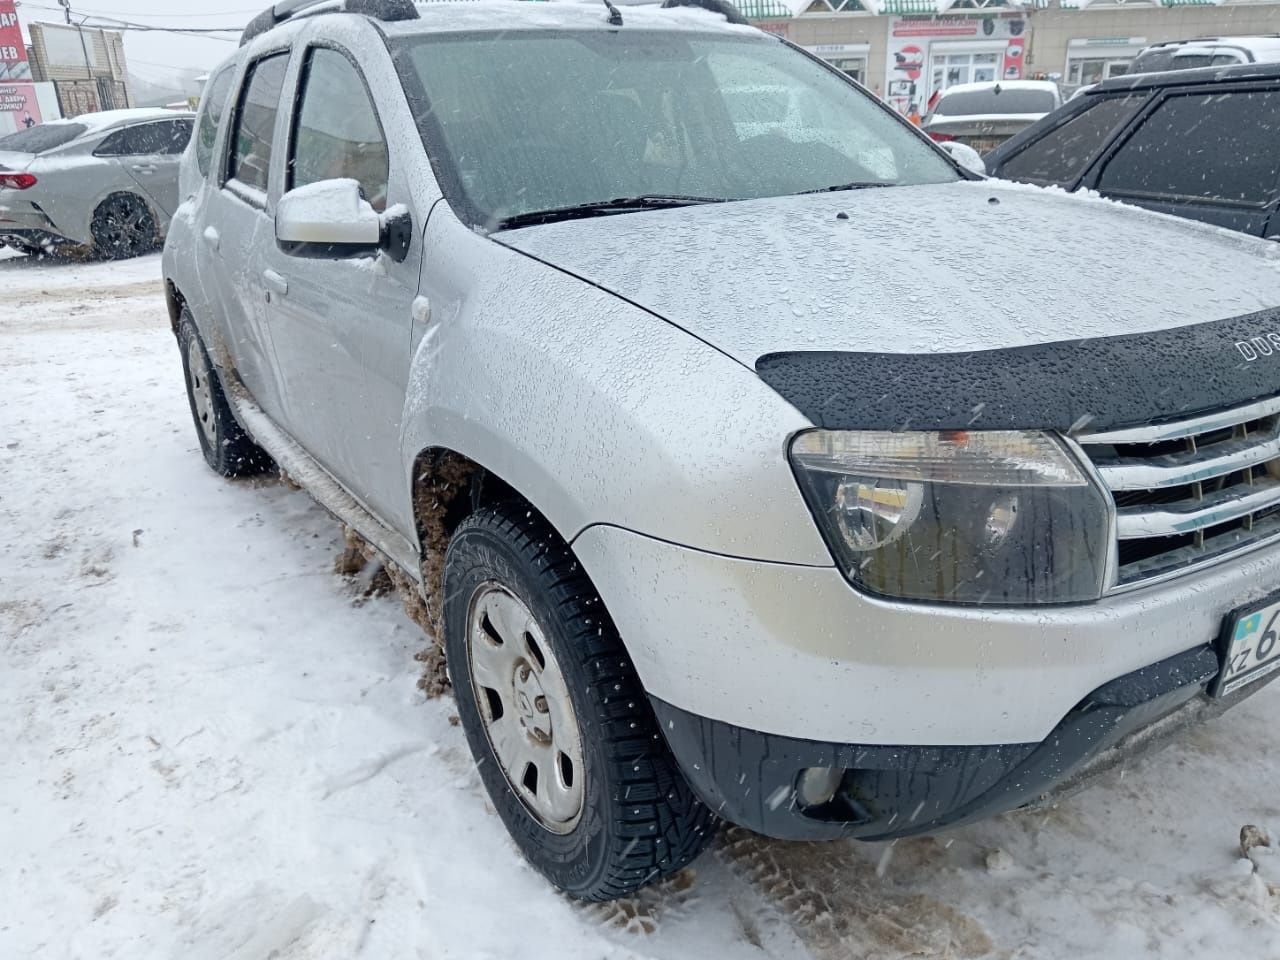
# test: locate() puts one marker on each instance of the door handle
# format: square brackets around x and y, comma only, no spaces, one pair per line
[143,168]
[275,282]
[212,238]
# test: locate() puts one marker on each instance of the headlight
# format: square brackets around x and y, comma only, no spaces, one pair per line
[983,517]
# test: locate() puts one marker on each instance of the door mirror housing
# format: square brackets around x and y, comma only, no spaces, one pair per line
[330,220]
[966,156]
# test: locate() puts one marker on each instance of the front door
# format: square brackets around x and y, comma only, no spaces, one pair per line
[151,154]
[342,328]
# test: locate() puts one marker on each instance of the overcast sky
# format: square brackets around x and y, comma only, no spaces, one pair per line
[155,56]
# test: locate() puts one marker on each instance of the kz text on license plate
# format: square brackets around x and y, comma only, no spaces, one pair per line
[1250,648]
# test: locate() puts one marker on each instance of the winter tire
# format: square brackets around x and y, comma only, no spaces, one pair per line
[226,447]
[123,227]
[565,740]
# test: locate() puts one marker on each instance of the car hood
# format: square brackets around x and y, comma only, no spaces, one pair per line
[943,268]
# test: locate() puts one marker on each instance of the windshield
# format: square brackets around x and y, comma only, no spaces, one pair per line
[996,100]
[523,122]
[44,137]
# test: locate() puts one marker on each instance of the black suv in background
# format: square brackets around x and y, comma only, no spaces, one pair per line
[1202,144]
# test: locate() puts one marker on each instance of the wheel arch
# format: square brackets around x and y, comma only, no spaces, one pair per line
[447,487]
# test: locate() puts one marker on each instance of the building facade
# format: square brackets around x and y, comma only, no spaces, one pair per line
[909,50]
[86,65]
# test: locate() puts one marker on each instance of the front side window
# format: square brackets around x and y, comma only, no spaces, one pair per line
[580,117]
[253,134]
[1210,146]
[215,107]
[337,133]
[1063,153]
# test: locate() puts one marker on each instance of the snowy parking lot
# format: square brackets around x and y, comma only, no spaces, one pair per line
[216,746]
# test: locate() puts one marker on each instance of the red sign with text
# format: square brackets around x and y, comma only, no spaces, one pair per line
[19,107]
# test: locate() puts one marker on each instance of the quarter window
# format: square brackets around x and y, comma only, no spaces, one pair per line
[254,132]
[337,134]
[215,106]
[1064,152]
[1218,146]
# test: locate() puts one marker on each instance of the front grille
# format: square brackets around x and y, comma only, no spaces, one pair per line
[1191,491]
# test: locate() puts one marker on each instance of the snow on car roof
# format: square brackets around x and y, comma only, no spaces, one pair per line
[111,118]
[1047,86]
[444,16]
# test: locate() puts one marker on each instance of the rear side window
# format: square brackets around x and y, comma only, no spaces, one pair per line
[337,132]
[1219,146]
[48,136]
[165,138]
[253,135]
[1063,153]
[215,107]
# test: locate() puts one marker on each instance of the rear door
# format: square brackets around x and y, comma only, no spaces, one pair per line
[151,154]
[238,225]
[1207,153]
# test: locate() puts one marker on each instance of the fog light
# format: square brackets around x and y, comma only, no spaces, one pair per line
[818,785]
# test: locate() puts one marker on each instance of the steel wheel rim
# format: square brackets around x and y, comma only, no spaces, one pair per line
[523,702]
[201,393]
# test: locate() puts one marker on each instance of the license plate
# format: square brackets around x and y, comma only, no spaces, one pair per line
[1250,648]
[984,144]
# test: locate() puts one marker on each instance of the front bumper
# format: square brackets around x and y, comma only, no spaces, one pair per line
[880,793]
[794,651]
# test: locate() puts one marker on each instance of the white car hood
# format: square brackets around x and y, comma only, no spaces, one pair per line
[945,268]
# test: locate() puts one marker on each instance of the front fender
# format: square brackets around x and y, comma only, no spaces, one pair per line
[597,411]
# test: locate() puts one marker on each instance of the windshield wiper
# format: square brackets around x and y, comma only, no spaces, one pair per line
[855,185]
[601,208]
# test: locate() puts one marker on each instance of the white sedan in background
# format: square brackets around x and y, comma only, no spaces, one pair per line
[107,181]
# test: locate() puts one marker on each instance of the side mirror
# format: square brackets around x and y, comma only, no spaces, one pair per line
[965,155]
[330,220]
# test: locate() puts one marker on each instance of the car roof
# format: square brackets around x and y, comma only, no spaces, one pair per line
[1200,75]
[108,119]
[511,15]
[1268,41]
[1047,86]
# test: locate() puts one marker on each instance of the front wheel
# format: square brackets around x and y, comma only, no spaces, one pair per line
[567,745]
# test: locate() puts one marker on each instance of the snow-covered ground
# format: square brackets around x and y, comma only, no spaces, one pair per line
[214,747]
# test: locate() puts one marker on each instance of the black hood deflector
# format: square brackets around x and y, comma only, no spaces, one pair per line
[1071,386]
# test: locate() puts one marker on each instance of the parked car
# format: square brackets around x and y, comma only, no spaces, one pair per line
[106,181]
[984,115]
[1206,52]
[1200,144]
[732,485]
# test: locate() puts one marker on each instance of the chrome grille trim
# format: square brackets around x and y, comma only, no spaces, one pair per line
[1191,492]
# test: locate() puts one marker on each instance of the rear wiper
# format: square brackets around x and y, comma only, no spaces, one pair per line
[600,208]
[855,185]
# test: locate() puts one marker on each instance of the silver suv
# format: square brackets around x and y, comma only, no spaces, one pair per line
[787,475]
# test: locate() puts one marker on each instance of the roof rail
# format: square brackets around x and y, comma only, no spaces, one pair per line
[722,7]
[386,10]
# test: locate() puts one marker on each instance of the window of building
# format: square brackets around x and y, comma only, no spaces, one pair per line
[337,133]
[254,132]
[1218,146]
